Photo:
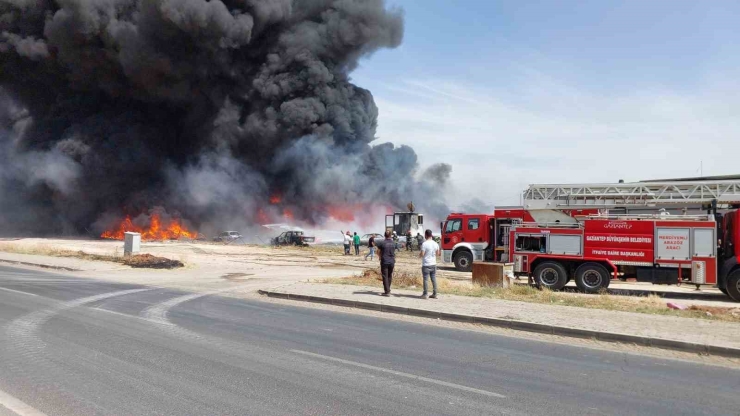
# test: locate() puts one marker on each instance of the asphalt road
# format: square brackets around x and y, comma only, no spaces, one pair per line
[73,346]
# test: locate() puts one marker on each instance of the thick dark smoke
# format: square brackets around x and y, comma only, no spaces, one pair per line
[207,108]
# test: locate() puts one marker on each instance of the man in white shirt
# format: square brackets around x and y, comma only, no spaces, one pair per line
[428,253]
[347,242]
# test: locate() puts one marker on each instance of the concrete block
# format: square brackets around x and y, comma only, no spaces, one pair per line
[670,344]
[423,312]
[565,331]
[343,302]
[131,243]
[368,305]
[530,327]
[497,322]
[724,351]
[624,338]
[491,274]
[456,317]
[394,309]
[319,299]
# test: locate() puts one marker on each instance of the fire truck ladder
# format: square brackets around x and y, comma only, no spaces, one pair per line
[635,194]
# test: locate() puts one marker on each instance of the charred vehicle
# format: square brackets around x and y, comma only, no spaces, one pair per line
[289,238]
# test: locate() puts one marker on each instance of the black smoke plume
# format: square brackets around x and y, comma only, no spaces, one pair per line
[207,108]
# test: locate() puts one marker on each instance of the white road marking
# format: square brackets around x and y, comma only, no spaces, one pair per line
[17,406]
[159,311]
[131,316]
[400,374]
[17,291]
[21,331]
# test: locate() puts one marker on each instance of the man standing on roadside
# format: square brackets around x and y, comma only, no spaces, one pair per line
[428,252]
[356,240]
[387,255]
[371,248]
[347,240]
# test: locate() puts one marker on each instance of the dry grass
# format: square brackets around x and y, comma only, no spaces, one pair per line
[651,304]
[138,261]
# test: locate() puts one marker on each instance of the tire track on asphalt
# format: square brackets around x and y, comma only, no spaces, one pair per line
[21,331]
[26,349]
[157,313]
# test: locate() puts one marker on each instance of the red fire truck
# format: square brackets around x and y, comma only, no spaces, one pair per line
[659,231]
[485,237]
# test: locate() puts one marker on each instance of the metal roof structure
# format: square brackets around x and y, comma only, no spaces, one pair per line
[634,194]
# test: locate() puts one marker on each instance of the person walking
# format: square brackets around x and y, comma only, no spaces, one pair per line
[371,248]
[387,255]
[408,241]
[428,253]
[356,241]
[347,240]
[395,241]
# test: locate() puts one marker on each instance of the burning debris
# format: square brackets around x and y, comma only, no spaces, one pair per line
[226,111]
[151,227]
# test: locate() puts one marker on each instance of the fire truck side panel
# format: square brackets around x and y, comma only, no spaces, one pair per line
[623,242]
[657,250]
[533,245]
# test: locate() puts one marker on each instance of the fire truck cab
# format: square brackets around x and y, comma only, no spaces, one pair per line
[485,237]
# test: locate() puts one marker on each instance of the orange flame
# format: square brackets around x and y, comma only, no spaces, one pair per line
[275,198]
[287,213]
[344,213]
[262,217]
[172,231]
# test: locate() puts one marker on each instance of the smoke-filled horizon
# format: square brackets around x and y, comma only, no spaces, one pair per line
[206,109]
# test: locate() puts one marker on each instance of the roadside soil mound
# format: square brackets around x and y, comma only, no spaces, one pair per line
[151,262]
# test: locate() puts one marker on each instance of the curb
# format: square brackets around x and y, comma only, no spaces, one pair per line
[564,331]
[45,266]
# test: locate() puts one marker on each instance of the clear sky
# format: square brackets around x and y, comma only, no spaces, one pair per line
[519,92]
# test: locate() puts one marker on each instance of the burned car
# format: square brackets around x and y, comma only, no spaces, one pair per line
[292,238]
[227,237]
[365,239]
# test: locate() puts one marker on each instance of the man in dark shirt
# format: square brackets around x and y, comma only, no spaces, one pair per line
[371,248]
[387,257]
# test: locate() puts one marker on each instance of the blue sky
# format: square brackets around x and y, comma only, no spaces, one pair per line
[513,92]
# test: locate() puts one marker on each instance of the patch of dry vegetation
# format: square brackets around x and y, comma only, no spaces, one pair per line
[138,261]
[651,304]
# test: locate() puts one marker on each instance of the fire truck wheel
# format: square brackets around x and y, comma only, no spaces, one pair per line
[592,277]
[464,261]
[733,285]
[550,275]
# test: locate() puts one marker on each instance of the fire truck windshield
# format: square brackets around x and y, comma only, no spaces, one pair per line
[453,225]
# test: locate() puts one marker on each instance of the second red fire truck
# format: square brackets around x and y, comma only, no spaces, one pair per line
[661,232]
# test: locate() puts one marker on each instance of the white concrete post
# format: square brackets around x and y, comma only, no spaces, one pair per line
[131,243]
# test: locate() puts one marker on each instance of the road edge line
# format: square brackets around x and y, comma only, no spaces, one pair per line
[401,374]
[18,406]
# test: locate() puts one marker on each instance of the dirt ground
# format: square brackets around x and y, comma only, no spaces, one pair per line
[208,265]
